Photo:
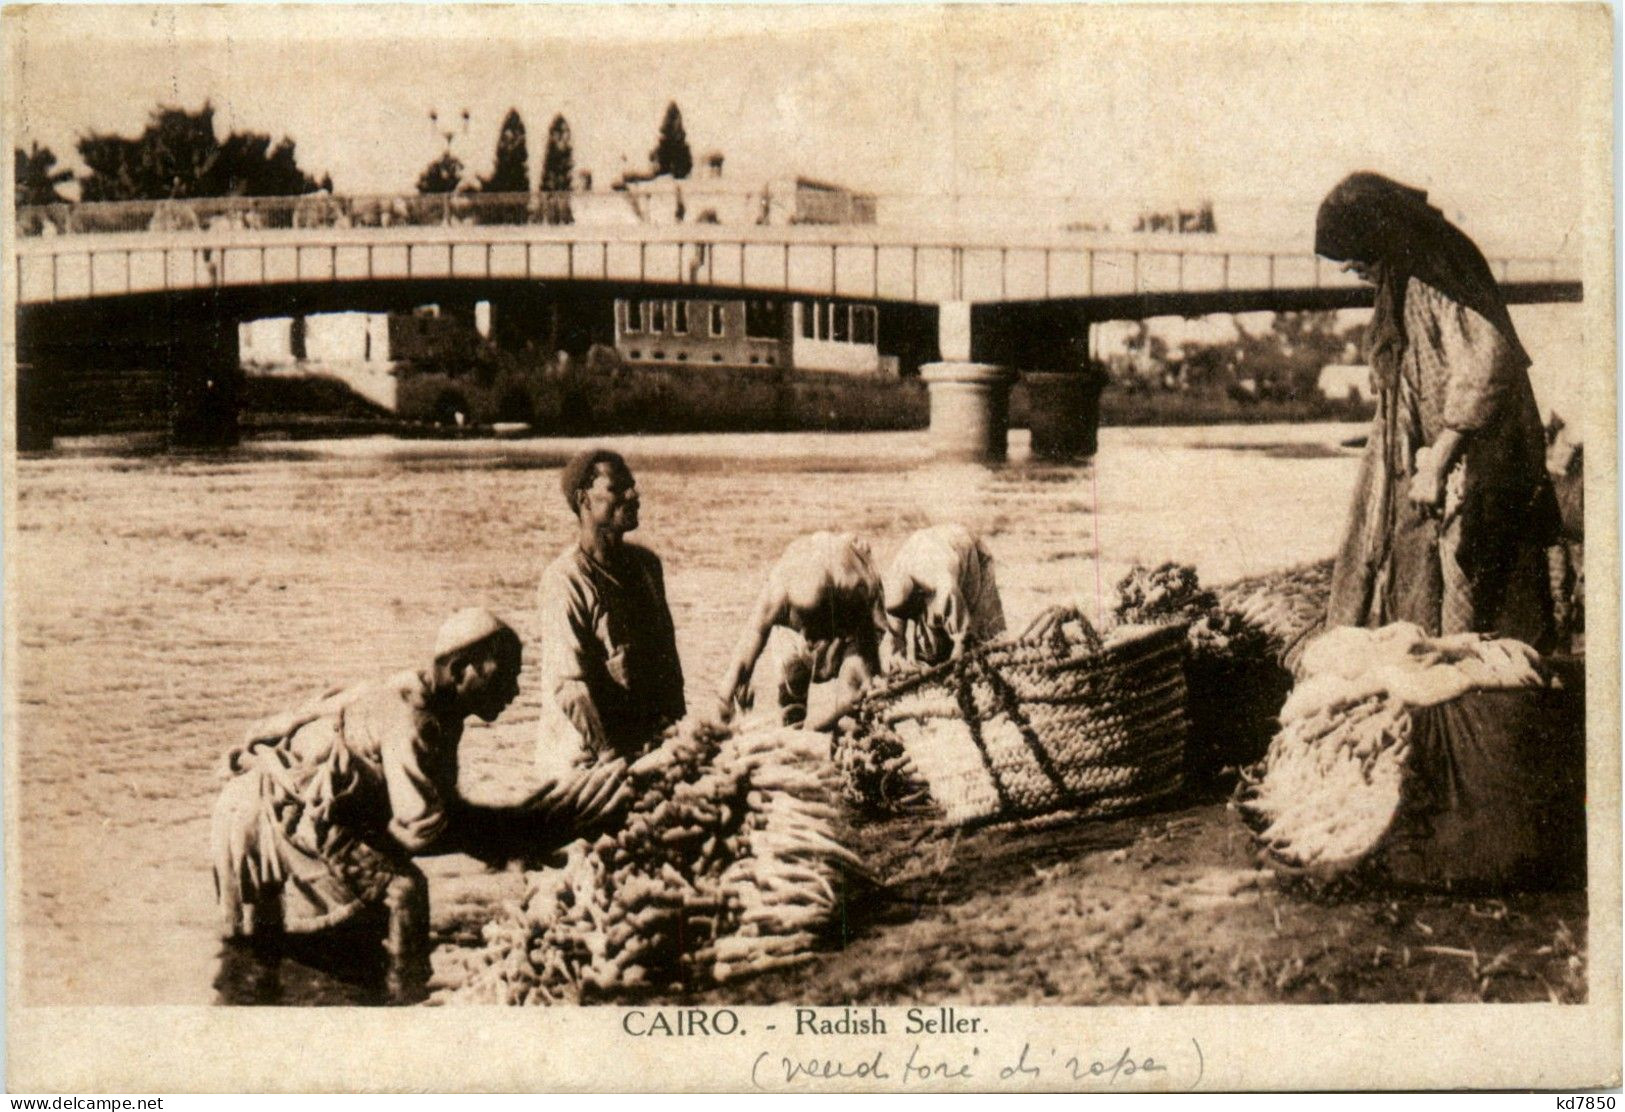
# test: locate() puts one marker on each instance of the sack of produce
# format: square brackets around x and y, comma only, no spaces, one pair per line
[1057,720]
[1233,674]
[729,863]
[1434,762]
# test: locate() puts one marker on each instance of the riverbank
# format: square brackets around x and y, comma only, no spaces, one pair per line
[511,396]
[162,602]
[607,395]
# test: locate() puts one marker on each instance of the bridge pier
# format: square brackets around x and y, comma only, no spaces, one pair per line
[1063,413]
[970,388]
[970,400]
[205,386]
[35,409]
[1063,390]
[970,410]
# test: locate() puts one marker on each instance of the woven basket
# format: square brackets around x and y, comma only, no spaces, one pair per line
[1055,720]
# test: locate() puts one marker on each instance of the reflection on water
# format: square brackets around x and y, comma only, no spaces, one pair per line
[164,602]
[1288,450]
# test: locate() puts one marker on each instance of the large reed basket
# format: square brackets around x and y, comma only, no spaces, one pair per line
[1056,720]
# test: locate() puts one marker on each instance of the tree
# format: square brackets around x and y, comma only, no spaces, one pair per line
[443,175]
[671,155]
[510,172]
[249,166]
[558,165]
[558,168]
[178,156]
[36,178]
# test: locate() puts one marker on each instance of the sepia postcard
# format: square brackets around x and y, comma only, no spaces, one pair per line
[810,548]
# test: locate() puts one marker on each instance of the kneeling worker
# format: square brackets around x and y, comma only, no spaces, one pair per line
[824,598]
[331,802]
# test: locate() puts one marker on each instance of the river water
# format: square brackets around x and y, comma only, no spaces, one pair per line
[161,603]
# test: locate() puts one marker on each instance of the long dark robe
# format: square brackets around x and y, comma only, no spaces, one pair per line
[1444,355]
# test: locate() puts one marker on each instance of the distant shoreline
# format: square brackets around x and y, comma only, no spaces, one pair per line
[511,397]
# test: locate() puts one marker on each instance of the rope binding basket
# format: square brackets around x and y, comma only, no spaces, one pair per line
[1055,720]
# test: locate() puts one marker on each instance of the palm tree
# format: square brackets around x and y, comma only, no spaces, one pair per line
[36,179]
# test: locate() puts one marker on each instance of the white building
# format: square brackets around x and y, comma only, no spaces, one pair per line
[351,347]
[318,338]
[813,335]
[1346,382]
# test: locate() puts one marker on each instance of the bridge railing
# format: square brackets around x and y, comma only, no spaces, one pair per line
[777,203]
[311,210]
[632,206]
[931,248]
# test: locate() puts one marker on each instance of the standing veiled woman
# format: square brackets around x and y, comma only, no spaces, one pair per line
[1453,509]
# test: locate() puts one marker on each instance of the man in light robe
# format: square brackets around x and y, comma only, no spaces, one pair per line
[940,597]
[611,678]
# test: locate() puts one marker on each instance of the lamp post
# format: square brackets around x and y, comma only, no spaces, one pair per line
[445,128]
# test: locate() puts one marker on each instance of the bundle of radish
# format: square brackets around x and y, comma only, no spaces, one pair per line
[1288,606]
[1334,785]
[730,862]
[1167,593]
[877,776]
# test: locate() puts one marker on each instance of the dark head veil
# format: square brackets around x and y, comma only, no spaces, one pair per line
[1373,219]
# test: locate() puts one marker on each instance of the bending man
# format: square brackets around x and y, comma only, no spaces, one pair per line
[331,802]
[823,597]
[940,597]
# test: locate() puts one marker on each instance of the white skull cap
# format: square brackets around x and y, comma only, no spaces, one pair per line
[466,628]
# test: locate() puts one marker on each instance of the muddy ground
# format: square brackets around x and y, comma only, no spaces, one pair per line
[1163,908]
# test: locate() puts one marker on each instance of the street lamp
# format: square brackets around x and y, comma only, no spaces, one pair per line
[449,133]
